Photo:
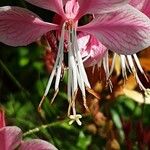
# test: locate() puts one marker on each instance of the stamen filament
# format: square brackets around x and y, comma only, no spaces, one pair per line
[55,70]
[106,69]
[139,66]
[77,77]
[130,63]
[123,66]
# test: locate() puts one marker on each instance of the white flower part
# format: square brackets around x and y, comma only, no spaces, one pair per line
[77,77]
[75,118]
[107,70]
[130,63]
[56,70]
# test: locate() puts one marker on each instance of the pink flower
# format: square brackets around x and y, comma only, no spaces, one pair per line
[117,25]
[128,62]
[11,138]
[131,62]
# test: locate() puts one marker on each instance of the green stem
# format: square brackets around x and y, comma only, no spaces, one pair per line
[37,129]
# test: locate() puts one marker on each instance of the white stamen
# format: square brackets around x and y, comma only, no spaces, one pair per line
[139,66]
[76,73]
[129,62]
[72,76]
[86,57]
[139,82]
[58,75]
[56,70]
[99,64]
[106,69]
[113,64]
[80,62]
[123,66]
[58,62]
[77,77]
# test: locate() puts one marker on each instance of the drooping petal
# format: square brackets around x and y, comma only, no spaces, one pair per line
[53,5]
[19,26]
[142,5]
[36,144]
[99,6]
[96,51]
[91,49]
[125,31]
[10,137]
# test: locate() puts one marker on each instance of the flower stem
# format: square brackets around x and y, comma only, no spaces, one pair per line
[37,129]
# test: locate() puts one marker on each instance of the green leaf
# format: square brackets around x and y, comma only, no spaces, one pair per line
[83,141]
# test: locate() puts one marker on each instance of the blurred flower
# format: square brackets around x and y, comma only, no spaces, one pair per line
[11,138]
[141,133]
[117,25]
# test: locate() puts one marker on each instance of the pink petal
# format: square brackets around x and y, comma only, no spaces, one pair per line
[142,5]
[96,51]
[37,144]
[19,26]
[83,40]
[10,137]
[90,48]
[125,31]
[53,5]
[64,2]
[2,118]
[71,9]
[99,6]
[137,3]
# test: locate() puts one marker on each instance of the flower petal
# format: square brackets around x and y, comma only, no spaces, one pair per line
[137,3]
[91,49]
[142,5]
[37,144]
[83,40]
[19,26]
[10,137]
[125,31]
[96,51]
[53,5]
[99,6]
